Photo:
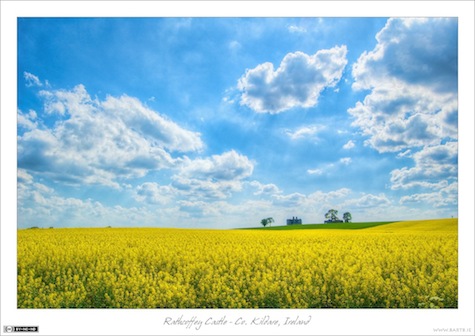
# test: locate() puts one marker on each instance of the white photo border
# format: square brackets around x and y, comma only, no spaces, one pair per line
[153,322]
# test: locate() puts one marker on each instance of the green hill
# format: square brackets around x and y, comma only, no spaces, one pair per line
[330,226]
[400,226]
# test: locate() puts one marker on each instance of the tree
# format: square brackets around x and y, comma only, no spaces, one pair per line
[332,215]
[266,221]
[347,217]
[270,220]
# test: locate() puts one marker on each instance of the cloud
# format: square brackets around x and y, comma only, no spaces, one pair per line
[316,200]
[181,23]
[445,154]
[346,161]
[196,208]
[27,121]
[407,153]
[218,176]
[297,82]
[265,189]
[297,29]
[153,193]
[305,132]
[368,201]
[363,206]
[312,206]
[234,45]
[290,200]
[322,169]
[198,189]
[322,197]
[412,78]
[328,167]
[39,205]
[227,166]
[434,165]
[316,171]
[31,80]
[208,210]
[416,51]
[446,196]
[412,104]
[154,127]
[23,176]
[399,118]
[100,142]
[246,214]
[349,145]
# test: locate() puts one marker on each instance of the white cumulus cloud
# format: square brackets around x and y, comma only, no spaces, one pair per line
[309,131]
[316,171]
[297,82]
[227,166]
[99,142]
[349,145]
[27,120]
[265,189]
[420,51]
[368,201]
[434,166]
[153,193]
[446,196]
[31,80]
[218,176]
[412,104]
[412,77]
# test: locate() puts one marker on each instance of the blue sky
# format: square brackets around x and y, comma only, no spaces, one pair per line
[220,122]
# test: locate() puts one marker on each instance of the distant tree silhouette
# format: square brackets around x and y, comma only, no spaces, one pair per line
[347,217]
[267,221]
[332,215]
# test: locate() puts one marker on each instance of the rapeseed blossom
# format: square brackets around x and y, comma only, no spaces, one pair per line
[172,268]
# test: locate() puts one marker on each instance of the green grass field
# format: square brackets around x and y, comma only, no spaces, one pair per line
[402,226]
[332,226]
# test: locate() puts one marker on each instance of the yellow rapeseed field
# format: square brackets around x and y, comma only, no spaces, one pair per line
[381,267]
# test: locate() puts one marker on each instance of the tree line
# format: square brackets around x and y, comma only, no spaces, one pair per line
[332,217]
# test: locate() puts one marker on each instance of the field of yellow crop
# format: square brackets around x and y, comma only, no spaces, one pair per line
[173,268]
